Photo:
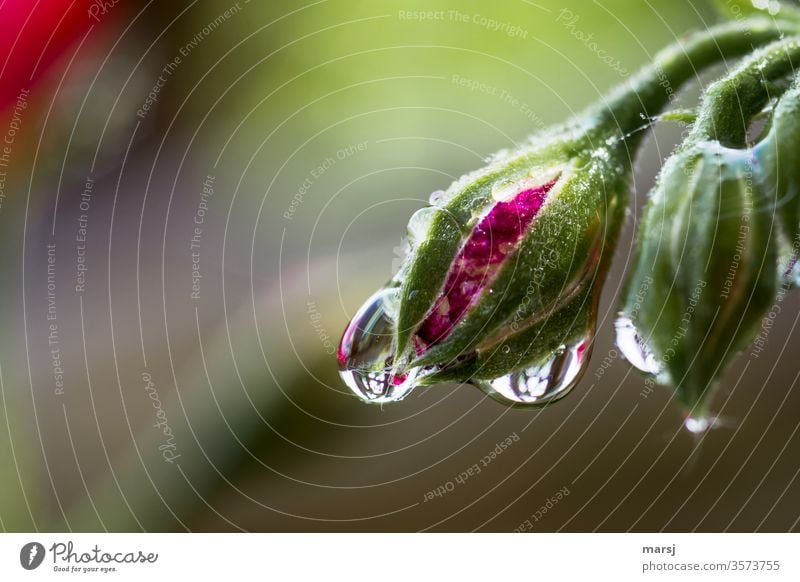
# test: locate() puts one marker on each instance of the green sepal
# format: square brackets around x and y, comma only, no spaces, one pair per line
[779,156]
[563,244]
[534,344]
[463,206]
[687,116]
[707,251]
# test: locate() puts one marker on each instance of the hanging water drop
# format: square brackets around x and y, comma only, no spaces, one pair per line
[544,382]
[696,425]
[634,348]
[366,352]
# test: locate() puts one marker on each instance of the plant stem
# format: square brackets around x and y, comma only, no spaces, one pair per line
[657,84]
[730,103]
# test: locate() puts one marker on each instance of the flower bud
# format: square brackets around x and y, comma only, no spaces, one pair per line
[710,239]
[705,272]
[504,273]
[779,156]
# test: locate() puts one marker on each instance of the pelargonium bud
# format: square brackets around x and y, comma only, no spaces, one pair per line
[502,281]
[707,267]
[705,271]
[779,157]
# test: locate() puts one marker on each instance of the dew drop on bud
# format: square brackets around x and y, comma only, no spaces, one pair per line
[366,352]
[634,348]
[504,190]
[419,224]
[544,382]
[436,197]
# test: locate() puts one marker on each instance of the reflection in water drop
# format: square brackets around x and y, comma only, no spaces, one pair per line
[366,352]
[378,386]
[633,347]
[542,383]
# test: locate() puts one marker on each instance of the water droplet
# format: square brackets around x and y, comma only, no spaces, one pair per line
[378,386]
[696,425]
[634,348]
[419,224]
[366,352]
[542,383]
[436,197]
[505,190]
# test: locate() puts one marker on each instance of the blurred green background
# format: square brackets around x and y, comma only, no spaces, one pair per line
[321,127]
